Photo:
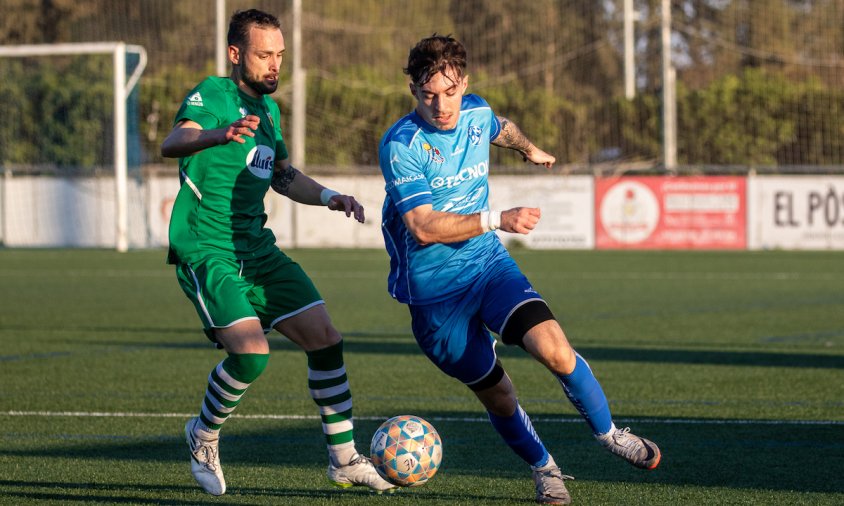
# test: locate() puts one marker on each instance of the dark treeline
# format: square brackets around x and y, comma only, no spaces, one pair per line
[759,83]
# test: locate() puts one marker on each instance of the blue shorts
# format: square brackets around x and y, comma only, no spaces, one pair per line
[455,333]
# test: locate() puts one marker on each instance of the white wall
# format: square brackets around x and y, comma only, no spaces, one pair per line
[566,203]
[48,211]
[788,212]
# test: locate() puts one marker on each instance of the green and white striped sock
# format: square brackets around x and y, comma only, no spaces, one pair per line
[329,388]
[226,385]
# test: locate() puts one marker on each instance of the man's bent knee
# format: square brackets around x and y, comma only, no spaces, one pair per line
[310,329]
[244,337]
[524,318]
[247,367]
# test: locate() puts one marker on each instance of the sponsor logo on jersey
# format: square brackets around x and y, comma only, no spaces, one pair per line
[435,153]
[475,134]
[402,180]
[195,99]
[458,203]
[465,174]
[259,161]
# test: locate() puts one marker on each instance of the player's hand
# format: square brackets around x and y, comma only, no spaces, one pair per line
[244,126]
[348,205]
[520,220]
[539,157]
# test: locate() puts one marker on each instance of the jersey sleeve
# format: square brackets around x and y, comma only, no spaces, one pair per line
[495,125]
[281,149]
[405,180]
[203,105]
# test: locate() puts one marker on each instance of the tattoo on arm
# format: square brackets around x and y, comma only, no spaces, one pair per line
[511,137]
[282,178]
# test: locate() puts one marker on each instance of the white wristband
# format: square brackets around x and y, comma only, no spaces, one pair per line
[326,194]
[490,220]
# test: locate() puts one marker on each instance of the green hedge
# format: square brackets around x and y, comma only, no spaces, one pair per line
[64,118]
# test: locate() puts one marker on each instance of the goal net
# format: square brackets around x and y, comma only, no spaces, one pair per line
[68,146]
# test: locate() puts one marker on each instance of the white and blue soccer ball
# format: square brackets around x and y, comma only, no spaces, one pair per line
[406,451]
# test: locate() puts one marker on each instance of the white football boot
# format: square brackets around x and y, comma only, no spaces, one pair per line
[205,460]
[359,472]
[642,453]
[550,484]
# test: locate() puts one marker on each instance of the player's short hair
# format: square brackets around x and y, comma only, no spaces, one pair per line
[435,54]
[242,21]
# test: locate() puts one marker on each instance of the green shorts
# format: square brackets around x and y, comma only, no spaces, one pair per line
[226,291]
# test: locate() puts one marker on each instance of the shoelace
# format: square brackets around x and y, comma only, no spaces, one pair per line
[554,472]
[622,439]
[360,459]
[207,450]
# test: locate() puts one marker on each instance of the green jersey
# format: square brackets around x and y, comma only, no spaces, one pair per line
[219,210]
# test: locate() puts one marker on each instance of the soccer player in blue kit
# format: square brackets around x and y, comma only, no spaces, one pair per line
[455,275]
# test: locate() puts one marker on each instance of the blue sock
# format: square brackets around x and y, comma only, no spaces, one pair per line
[518,433]
[584,391]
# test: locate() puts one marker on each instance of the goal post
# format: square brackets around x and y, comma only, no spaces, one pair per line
[122,88]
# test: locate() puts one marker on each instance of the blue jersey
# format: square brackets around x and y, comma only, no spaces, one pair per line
[447,169]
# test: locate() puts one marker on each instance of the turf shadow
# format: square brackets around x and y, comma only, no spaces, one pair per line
[771,456]
[709,357]
[88,493]
[400,344]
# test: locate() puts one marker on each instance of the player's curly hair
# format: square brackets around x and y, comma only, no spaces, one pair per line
[241,21]
[435,54]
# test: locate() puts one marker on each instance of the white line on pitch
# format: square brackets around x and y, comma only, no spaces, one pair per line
[662,421]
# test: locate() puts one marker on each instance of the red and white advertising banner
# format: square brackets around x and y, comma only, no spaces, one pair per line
[796,212]
[663,212]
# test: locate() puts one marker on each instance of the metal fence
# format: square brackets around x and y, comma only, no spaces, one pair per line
[759,84]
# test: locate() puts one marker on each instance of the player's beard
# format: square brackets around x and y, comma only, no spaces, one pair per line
[258,85]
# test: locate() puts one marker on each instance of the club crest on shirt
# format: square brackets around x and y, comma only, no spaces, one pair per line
[475,134]
[243,112]
[434,153]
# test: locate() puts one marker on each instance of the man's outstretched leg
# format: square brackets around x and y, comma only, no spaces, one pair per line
[227,383]
[519,434]
[329,389]
[534,328]
[517,431]
[328,384]
[585,393]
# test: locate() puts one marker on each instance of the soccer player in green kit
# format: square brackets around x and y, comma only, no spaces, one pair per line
[228,140]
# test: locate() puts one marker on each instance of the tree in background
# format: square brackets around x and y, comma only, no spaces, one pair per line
[759,82]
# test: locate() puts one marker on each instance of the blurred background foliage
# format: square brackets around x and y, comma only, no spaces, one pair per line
[760,84]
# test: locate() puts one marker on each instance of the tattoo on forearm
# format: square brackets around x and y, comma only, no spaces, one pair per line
[282,178]
[511,137]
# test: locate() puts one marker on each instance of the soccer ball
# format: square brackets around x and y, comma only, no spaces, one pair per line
[406,451]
